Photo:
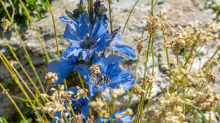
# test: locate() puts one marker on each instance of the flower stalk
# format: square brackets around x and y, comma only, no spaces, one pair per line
[19,111]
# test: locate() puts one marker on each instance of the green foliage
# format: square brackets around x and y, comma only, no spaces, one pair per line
[216,8]
[3,120]
[36,8]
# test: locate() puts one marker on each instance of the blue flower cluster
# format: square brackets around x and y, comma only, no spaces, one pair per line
[90,42]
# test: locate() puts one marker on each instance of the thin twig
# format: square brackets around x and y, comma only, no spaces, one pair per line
[60,8]
[22,43]
[19,111]
[26,11]
[129,17]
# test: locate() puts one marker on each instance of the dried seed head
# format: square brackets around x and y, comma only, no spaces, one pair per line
[13,63]
[6,23]
[51,78]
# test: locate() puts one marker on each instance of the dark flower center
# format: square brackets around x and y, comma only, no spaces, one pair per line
[103,80]
[87,42]
[100,11]
[77,107]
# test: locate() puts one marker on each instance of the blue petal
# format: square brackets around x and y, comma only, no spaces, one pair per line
[113,59]
[72,31]
[68,62]
[101,121]
[102,88]
[128,85]
[125,49]
[57,114]
[92,89]
[119,76]
[65,19]
[117,38]
[126,119]
[119,112]
[103,43]
[87,54]
[85,110]
[99,30]
[60,70]
[84,71]
[72,51]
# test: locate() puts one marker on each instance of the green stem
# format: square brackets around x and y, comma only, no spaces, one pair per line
[30,61]
[55,32]
[7,64]
[14,55]
[72,111]
[112,109]
[135,71]
[130,94]
[65,117]
[25,9]
[168,59]
[196,115]
[80,78]
[110,14]
[190,55]
[91,11]
[146,59]
[213,55]
[177,57]
[13,103]
[184,97]
[210,118]
[152,51]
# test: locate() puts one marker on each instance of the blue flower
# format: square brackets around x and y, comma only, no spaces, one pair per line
[63,67]
[85,40]
[80,106]
[111,75]
[122,117]
[117,46]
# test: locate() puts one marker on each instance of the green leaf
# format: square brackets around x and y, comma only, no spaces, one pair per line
[215,8]
[3,120]
[20,9]
[23,100]
[38,115]
[28,59]
[159,3]
[29,120]
[24,111]
[171,89]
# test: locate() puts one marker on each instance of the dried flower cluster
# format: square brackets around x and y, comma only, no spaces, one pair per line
[51,78]
[55,103]
[139,91]
[206,98]
[116,92]
[211,63]
[13,63]
[99,105]
[80,93]
[190,39]
[91,120]
[157,23]
[169,109]
[140,46]
[94,70]
[6,23]
[184,76]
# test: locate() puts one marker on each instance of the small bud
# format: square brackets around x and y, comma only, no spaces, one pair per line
[180,27]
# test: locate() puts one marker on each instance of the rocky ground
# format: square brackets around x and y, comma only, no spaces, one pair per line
[177,12]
